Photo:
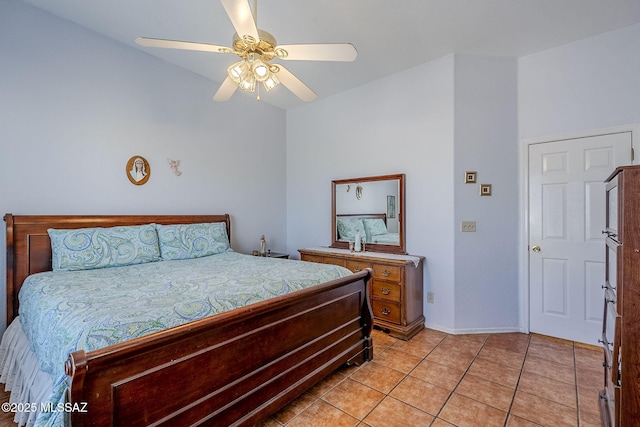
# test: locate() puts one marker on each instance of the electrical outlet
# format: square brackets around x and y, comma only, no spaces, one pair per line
[468,226]
[430,297]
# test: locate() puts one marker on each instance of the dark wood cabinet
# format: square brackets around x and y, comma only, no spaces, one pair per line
[395,290]
[620,397]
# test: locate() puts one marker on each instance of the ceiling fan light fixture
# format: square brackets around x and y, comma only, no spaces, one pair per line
[238,70]
[256,48]
[247,72]
[260,70]
[270,82]
[248,82]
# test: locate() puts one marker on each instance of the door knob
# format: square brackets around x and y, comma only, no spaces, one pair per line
[536,248]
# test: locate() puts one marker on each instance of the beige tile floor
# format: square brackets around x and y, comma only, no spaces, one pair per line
[442,380]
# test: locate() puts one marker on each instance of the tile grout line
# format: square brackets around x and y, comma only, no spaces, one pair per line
[515,391]
[399,382]
[460,380]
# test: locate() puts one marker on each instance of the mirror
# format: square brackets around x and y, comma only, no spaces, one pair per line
[373,206]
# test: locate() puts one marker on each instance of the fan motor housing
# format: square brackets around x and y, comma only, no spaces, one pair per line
[265,47]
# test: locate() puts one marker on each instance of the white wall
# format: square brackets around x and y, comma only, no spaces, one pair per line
[486,134]
[438,119]
[75,106]
[589,84]
[400,124]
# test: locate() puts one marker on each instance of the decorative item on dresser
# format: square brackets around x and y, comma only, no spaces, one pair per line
[620,398]
[395,289]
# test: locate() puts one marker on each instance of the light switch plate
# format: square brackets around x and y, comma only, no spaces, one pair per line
[468,226]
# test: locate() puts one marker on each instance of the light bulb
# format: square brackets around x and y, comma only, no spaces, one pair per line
[260,70]
[236,70]
[270,82]
[248,82]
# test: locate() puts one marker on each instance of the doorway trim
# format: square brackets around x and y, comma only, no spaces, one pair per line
[634,129]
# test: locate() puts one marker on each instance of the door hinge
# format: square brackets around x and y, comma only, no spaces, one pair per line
[633,154]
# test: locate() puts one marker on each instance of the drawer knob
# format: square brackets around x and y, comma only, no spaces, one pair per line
[385,291]
[386,311]
[357,268]
[386,273]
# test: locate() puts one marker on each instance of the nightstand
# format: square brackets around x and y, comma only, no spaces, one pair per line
[278,255]
[275,255]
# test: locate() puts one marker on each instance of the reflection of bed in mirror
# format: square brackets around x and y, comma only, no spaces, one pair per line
[372,227]
[378,200]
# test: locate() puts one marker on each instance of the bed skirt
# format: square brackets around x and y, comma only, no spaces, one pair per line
[20,372]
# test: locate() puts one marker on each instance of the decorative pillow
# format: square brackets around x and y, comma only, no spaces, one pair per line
[347,228]
[374,226]
[182,241]
[90,248]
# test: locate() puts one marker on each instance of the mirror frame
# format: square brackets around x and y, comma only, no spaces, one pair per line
[371,247]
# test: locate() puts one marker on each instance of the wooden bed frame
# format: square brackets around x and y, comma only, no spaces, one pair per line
[235,368]
[382,216]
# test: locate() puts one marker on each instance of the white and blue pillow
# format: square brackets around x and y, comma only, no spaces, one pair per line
[347,228]
[183,241]
[90,248]
[374,227]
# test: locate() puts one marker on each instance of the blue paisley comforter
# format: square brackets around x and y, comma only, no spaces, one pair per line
[65,311]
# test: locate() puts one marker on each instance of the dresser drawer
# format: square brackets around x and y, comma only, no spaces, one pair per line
[357,266]
[385,290]
[312,258]
[335,261]
[386,310]
[386,272]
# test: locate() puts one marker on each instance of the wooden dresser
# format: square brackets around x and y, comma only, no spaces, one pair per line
[620,398]
[395,290]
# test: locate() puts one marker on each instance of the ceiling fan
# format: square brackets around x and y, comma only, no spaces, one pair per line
[256,49]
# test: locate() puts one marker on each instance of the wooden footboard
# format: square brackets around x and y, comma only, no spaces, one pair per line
[235,368]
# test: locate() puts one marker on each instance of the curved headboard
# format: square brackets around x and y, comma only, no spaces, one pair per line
[29,247]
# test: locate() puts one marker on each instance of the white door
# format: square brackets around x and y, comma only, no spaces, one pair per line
[566,246]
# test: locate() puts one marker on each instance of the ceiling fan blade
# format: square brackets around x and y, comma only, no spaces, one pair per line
[176,44]
[226,90]
[294,84]
[241,18]
[344,52]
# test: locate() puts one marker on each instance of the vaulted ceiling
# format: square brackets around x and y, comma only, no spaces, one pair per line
[390,35]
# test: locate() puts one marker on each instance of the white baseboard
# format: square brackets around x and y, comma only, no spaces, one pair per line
[460,331]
